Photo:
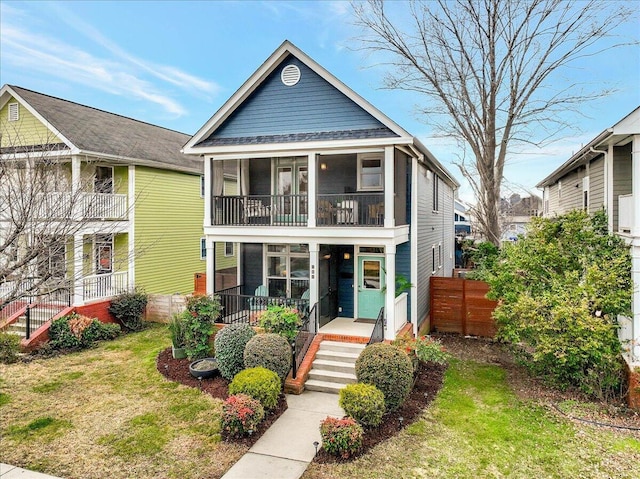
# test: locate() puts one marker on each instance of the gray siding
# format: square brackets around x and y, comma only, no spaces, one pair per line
[621,177]
[312,105]
[340,175]
[251,267]
[596,185]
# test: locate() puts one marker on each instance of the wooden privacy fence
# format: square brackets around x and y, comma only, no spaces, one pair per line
[459,306]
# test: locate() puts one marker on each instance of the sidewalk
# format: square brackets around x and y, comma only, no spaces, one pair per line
[8,471]
[286,449]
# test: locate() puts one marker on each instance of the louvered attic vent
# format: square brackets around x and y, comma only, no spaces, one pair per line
[290,75]
[13,112]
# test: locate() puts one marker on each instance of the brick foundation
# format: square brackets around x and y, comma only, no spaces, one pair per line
[633,396]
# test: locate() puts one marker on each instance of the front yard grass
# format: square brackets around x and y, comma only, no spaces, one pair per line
[478,428]
[107,413]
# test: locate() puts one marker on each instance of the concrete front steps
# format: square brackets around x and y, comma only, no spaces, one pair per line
[333,367]
[19,327]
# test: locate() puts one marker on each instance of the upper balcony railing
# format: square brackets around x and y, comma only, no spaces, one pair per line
[100,206]
[353,209]
[625,213]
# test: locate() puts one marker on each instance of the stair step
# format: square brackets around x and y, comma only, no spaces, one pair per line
[337,356]
[332,376]
[336,366]
[336,346]
[323,386]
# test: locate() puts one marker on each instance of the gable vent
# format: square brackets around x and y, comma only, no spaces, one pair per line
[290,75]
[13,112]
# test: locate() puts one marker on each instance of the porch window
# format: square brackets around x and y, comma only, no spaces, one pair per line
[51,262]
[103,182]
[203,248]
[287,270]
[370,173]
[228,249]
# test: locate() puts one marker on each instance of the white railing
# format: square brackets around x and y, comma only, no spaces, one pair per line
[400,311]
[103,206]
[100,286]
[625,213]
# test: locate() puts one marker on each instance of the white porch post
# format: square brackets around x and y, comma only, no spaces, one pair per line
[390,300]
[414,245]
[131,238]
[608,178]
[314,250]
[75,174]
[207,193]
[78,252]
[211,265]
[312,188]
[389,188]
[635,251]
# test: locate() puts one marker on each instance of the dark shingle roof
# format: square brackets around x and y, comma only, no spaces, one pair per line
[98,131]
[300,137]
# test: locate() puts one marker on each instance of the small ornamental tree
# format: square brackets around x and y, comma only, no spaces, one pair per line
[560,290]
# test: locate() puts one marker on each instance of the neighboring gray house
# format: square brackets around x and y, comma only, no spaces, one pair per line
[335,199]
[605,173]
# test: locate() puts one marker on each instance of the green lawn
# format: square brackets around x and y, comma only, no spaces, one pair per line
[477,428]
[107,413]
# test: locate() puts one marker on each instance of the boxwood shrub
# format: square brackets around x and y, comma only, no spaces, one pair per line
[259,383]
[388,369]
[229,344]
[364,403]
[270,351]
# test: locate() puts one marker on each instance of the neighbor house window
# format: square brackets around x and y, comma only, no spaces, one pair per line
[201,186]
[51,262]
[14,112]
[436,192]
[440,256]
[585,193]
[370,173]
[433,259]
[104,254]
[228,249]
[203,248]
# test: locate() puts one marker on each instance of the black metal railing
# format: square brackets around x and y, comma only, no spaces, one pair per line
[42,308]
[303,340]
[377,335]
[244,308]
[353,209]
[260,210]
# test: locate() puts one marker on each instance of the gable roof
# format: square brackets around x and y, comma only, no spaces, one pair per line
[373,126]
[88,130]
[618,134]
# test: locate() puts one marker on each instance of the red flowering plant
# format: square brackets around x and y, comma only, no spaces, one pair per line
[241,415]
[341,437]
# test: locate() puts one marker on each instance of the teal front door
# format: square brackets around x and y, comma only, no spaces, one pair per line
[371,282]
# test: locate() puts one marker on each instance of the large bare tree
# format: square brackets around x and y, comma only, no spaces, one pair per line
[489,72]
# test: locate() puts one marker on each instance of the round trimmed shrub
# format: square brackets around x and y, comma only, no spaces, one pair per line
[241,414]
[388,369]
[364,403]
[270,351]
[229,345]
[259,383]
[341,437]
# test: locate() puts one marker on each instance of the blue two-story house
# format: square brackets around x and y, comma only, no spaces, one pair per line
[337,203]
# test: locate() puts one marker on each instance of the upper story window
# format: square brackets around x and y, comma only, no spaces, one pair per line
[201,186]
[370,172]
[14,112]
[436,193]
[103,182]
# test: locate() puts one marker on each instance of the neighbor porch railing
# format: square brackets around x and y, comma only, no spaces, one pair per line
[354,209]
[260,210]
[377,336]
[244,308]
[100,286]
[625,213]
[103,206]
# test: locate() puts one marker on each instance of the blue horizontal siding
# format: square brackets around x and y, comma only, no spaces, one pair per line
[309,106]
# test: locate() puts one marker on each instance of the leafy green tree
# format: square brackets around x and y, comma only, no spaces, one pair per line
[560,290]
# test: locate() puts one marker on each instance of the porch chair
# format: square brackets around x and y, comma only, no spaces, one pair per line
[326,213]
[254,208]
[304,308]
[258,302]
[376,214]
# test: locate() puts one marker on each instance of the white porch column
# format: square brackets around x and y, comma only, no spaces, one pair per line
[75,173]
[312,190]
[413,237]
[131,237]
[207,194]
[211,265]
[631,332]
[314,251]
[389,187]
[635,250]
[635,182]
[608,187]
[77,287]
[390,300]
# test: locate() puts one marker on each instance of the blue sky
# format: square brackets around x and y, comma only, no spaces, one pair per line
[175,63]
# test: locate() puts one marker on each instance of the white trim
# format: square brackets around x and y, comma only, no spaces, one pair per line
[414,245]
[272,153]
[389,187]
[131,173]
[13,111]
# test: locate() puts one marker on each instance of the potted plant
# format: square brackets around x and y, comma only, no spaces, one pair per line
[177,331]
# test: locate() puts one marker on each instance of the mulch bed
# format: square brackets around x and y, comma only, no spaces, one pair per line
[429,379]
[178,370]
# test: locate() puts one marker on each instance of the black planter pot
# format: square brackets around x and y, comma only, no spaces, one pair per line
[204,368]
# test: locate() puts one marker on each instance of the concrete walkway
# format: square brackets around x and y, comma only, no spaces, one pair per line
[285,450]
[8,471]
